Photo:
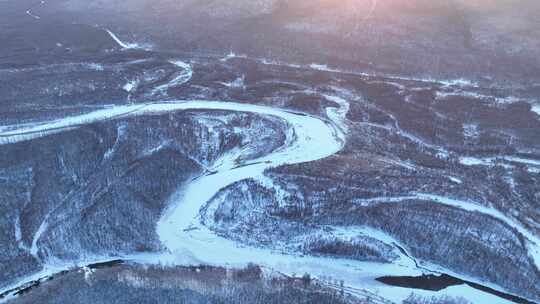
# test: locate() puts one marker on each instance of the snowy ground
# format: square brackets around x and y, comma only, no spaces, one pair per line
[189,242]
[309,138]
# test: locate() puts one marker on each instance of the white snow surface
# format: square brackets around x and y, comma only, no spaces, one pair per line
[188,242]
[184,76]
[323,67]
[503,160]
[42,228]
[232,55]
[536,109]
[126,45]
[338,115]
[238,83]
[455,180]
[130,86]
[29,13]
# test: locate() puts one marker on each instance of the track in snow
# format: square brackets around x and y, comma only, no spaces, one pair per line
[126,45]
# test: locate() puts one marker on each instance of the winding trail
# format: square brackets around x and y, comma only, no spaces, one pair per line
[189,242]
[183,76]
[126,45]
[29,11]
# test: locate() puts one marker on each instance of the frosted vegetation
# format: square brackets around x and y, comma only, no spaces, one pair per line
[228,159]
